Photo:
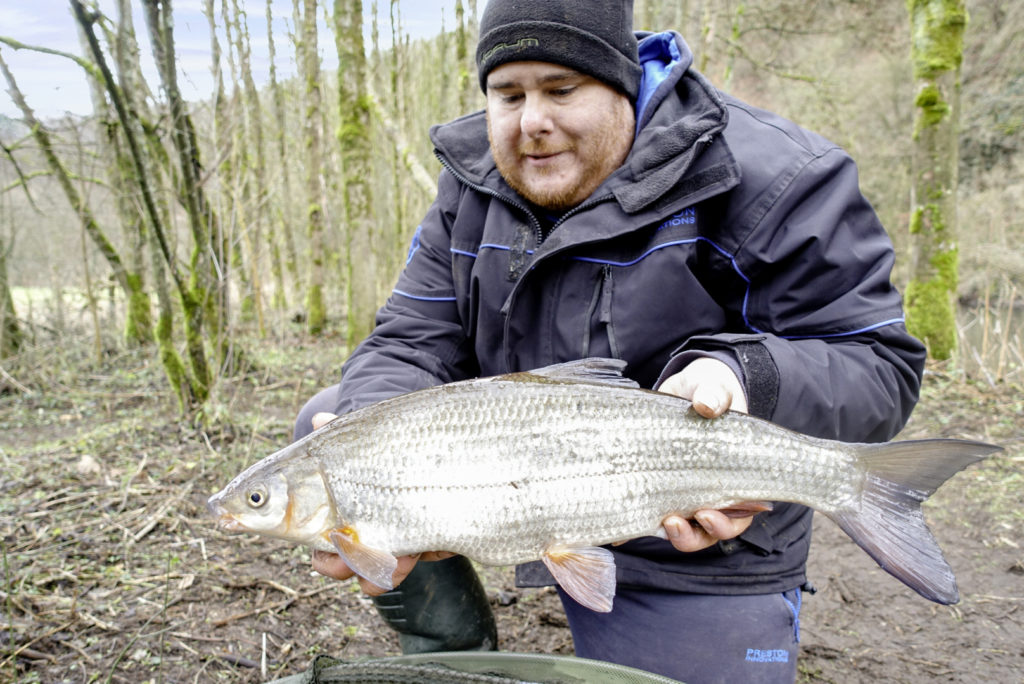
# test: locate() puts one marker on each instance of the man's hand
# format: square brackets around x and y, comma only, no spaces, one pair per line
[711,385]
[714,389]
[331,564]
[707,528]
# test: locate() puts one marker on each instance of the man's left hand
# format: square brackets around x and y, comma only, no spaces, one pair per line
[714,389]
[711,385]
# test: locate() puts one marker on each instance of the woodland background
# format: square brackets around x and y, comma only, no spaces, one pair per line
[177,277]
[193,223]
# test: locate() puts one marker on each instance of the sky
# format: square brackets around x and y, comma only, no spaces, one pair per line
[54,86]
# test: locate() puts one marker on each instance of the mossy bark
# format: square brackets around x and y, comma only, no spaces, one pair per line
[197,304]
[138,324]
[309,59]
[11,336]
[354,139]
[937,30]
[280,228]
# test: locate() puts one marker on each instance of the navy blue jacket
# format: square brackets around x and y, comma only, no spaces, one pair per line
[728,232]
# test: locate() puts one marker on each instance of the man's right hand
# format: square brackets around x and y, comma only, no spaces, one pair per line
[331,565]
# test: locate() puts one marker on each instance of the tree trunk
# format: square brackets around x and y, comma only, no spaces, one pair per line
[466,82]
[133,87]
[937,30]
[280,226]
[230,146]
[309,60]
[138,317]
[11,337]
[198,297]
[198,386]
[354,109]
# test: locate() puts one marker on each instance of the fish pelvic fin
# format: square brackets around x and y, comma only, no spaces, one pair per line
[586,574]
[373,564]
[889,524]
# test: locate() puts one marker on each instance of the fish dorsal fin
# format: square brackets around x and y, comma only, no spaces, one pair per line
[593,370]
[372,564]
[587,574]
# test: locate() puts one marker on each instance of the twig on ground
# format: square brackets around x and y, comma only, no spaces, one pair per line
[278,605]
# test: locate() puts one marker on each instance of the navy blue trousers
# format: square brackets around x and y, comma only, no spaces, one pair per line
[695,638]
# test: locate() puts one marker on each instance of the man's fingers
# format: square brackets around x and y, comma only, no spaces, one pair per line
[437,555]
[707,528]
[321,419]
[711,400]
[710,384]
[405,566]
[331,565]
[721,526]
[685,536]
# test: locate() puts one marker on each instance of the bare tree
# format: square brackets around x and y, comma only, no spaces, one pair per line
[129,282]
[354,111]
[11,337]
[309,64]
[203,295]
[280,226]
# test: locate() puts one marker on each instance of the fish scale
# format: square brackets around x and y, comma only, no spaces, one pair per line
[553,463]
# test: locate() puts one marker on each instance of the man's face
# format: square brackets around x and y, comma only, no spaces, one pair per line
[555,133]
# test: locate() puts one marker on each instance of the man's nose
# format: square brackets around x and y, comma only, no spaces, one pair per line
[536,119]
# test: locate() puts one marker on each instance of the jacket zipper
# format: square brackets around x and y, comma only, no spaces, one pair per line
[606,311]
[601,304]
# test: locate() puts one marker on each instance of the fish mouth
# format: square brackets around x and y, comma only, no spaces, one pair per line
[228,523]
[225,520]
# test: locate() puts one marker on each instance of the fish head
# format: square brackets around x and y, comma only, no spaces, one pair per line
[285,498]
[258,504]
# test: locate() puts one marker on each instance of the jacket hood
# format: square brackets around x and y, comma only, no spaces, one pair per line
[671,130]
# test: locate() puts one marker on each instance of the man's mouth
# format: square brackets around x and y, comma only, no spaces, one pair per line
[538,157]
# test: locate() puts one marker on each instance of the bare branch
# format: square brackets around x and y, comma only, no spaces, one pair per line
[89,67]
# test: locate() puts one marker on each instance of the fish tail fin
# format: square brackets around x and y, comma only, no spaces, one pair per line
[889,524]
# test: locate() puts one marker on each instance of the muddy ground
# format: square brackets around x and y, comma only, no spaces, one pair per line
[112,571]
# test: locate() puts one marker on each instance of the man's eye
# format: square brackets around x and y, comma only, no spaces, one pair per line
[562,92]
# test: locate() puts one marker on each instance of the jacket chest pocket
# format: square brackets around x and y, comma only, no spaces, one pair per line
[640,311]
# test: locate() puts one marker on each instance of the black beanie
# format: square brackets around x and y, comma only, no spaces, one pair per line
[594,37]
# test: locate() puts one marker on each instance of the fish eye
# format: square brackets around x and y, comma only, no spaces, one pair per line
[257,497]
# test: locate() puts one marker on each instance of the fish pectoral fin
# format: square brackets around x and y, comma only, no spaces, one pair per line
[745,509]
[587,574]
[367,562]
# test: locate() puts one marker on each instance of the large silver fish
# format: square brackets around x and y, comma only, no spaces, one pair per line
[553,463]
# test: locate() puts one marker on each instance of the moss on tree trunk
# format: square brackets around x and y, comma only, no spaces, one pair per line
[937,30]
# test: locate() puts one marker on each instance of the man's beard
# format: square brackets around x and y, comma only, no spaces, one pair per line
[601,161]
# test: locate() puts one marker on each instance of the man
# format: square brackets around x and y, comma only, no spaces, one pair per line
[611,202]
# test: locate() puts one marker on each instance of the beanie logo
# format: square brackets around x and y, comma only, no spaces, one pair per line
[518,45]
